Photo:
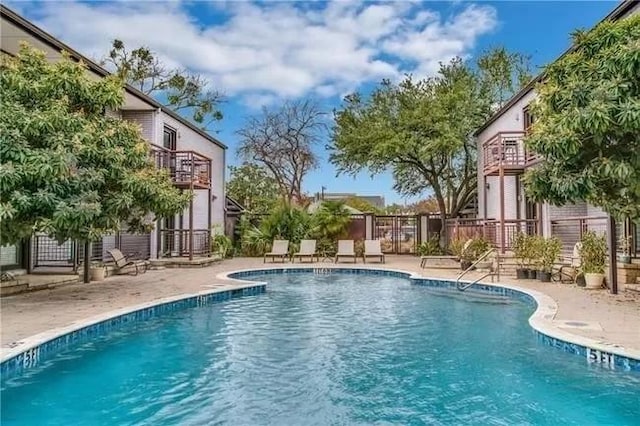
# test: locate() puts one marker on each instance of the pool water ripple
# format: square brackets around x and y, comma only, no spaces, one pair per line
[326,350]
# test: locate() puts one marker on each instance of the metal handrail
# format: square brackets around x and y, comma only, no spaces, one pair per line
[463,273]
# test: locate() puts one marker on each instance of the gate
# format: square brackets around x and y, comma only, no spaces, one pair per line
[398,234]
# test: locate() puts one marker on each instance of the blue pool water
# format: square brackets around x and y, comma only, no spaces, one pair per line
[327,350]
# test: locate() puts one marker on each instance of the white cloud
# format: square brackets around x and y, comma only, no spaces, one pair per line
[281,49]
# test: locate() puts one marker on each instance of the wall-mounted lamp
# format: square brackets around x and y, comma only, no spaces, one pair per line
[487,186]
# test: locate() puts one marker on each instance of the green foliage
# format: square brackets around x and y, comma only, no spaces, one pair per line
[520,248]
[253,187]
[361,205]
[331,221]
[182,90]
[593,253]
[421,130]
[478,246]
[456,247]
[220,243]
[535,248]
[284,223]
[588,121]
[549,252]
[431,247]
[67,168]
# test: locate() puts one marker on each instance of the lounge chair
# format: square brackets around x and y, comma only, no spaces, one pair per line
[372,249]
[123,262]
[307,249]
[345,249]
[279,249]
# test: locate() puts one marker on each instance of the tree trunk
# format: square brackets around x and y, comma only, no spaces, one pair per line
[87,256]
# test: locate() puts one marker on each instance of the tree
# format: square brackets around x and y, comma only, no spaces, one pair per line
[587,122]
[67,168]
[179,88]
[421,131]
[253,187]
[283,141]
[361,205]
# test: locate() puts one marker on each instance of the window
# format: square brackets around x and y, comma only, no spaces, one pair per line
[169,138]
[527,119]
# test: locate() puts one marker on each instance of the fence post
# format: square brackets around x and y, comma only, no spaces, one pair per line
[613,264]
[369,223]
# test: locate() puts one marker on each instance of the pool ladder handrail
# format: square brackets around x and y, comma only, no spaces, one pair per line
[463,286]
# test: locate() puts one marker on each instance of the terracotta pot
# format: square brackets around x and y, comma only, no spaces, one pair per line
[593,281]
[96,274]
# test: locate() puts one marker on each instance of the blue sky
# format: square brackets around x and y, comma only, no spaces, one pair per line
[262,53]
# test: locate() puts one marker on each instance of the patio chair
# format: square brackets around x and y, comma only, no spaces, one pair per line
[123,262]
[345,249]
[279,249]
[372,249]
[307,249]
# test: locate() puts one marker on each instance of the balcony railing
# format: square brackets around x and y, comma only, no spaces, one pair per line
[507,150]
[186,168]
[177,242]
[491,229]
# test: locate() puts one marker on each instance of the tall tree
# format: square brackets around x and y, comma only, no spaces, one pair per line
[67,168]
[588,122]
[178,88]
[253,187]
[283,140]
[422,130]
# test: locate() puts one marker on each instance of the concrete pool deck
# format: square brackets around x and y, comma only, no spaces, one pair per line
[594,314]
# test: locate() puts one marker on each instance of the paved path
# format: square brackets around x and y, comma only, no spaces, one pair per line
[612,319]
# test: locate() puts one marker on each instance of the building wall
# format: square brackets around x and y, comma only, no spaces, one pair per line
[146,121]
[187,139]
[510,121]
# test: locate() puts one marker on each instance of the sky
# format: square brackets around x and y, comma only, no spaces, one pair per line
[262,53]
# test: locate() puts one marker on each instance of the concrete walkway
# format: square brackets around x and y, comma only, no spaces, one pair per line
[610,319]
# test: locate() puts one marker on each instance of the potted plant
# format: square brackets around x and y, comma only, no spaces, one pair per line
[519,247]
[457,248]
[593,254]
[549,252]
[97,271]
[474,249]
[534,253]
[625,246]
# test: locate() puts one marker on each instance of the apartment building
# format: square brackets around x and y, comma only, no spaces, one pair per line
[503,207]
[194,159]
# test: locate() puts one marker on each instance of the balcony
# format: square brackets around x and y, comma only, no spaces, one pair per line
[187,169]
[506,152]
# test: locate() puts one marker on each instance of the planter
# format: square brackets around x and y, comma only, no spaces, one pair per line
[96,274]
[624,258]
[464,264]
[593,281]
[544,277]
[484,265]
[533,274]
[522,274]
[580,281]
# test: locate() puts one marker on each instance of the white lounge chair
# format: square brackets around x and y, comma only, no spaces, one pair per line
[345,249]
[307,249]
[571,263]
[279,249]
[372,249]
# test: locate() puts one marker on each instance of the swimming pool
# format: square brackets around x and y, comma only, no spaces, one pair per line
[325,349]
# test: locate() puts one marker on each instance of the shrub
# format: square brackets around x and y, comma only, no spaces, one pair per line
[456,247]
[593,253]
[431,247]
[475,249]
[550,251]
[520,246]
